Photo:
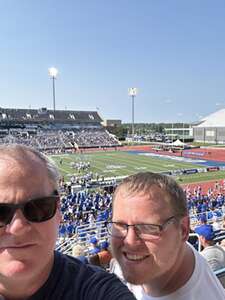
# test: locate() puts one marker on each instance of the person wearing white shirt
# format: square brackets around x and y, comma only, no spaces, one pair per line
[149,230]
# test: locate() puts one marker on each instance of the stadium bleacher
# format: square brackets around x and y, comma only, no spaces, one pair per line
[54,130]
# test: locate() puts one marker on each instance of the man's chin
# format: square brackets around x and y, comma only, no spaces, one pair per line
[133,279]
[15,269]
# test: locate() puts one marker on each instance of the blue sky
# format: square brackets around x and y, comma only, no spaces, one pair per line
[172,51]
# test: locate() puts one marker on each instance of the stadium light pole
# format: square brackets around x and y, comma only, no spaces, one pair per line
[172,132]
[53,72]
[169,101]
[181,115]
[183,133]
[132,92]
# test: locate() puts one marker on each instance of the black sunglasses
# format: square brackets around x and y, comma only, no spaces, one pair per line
[36,210]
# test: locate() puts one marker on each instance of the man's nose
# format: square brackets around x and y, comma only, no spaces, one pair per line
[19,224]
[132,236]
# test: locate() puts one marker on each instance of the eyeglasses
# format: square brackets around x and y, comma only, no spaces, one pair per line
[143,231]
[36,210]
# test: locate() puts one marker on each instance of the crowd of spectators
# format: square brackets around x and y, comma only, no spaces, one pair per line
[93,137]
[84,209]
[211,202]
[61,139]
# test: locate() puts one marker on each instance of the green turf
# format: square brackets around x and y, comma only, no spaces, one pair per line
[201,177]
[119,163]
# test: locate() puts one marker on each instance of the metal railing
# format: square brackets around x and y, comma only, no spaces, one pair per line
[82,236]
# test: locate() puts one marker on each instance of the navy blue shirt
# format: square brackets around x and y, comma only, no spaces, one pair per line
[72,279]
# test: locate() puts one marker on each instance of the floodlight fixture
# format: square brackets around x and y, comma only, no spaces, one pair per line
[53,72]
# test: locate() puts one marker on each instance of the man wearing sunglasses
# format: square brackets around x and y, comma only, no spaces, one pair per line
[29,220]
[149,232]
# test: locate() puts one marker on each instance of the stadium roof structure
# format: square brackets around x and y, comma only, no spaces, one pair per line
[43,114]
[216,119]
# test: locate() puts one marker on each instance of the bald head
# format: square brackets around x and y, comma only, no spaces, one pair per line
[26,160]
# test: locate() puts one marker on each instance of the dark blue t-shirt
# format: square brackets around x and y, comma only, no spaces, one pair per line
[72,279]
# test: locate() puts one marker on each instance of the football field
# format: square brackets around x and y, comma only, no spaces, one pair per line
[120,163]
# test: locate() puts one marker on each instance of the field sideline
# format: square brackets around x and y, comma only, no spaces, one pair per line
[109,164]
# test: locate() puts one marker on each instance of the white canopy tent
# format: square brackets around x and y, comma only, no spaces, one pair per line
[178,143]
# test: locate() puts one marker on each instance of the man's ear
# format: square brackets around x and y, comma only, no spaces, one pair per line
[58,205]
[58,212]
[202,240]
[185,227]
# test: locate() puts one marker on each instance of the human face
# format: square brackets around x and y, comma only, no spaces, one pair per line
[26,248]
[145,260]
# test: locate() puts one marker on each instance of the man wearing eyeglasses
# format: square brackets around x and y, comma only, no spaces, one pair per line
[149,232]
[29,220]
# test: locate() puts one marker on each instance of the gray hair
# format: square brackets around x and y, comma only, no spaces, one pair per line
[22,151]
[143,182]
